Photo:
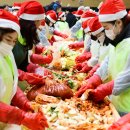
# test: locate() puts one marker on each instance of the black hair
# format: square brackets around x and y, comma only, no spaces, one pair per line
[48,22]
[4,31]
[29,32]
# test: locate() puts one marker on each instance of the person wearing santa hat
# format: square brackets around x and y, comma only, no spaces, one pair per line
[15,8]
[99,47]
[61,25]
[30,15]
[14,106]
[50,20]
[76,30]
[115,68]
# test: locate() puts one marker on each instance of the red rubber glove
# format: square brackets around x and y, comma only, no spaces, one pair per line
[39,49]
[76,45]
[78,66]
[60,34]
[32,67]
[39,59]
[122,124]
[92,83]
[82,67]
[92,71]
[85,68]
[21,101]
[13,115]
[85,56]
[31,78]
[101,91]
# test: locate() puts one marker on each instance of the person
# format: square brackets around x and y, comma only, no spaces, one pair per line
[14,106]
[50,20]
[76,30]
[70,18]
[114,70]
[30,15]
[15,8]
[61,25]
[77,27]
[99,45]
[43,35]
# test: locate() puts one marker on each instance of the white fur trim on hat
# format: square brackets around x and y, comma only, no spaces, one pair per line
[77,15]
[10,24]
[32,16]
[84,19]
[15,7]
[86,30]
[52,20]
[62,14]
[112,17]
[98,31]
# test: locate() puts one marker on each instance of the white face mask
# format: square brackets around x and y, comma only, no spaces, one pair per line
[5,49]
[110,33]
[101,39]
[64,18]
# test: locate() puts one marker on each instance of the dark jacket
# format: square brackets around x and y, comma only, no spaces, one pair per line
[21,56]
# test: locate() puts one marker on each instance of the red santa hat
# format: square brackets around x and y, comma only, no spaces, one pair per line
[112,10]
[79,13]
[88,14]
[50,11]
[74,12]
[7,20]
[95,26]
[60,14]
[31,10]
[85,26]
[81,8]
[16,5]
[52,17]
[87,8]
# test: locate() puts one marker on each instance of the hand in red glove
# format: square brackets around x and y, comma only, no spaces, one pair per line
[101,91]
[31,78]
[39,59]
[32,67]
[39,49]
[122,124]
[60,34]
[21,101]
[92,71]
[85,56]
[92,83]
[76,45]
[83,67]
[12,115]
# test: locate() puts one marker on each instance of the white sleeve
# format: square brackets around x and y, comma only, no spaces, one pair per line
[76,27]
[122,82]
[102,71]
[56,26]
[2,88]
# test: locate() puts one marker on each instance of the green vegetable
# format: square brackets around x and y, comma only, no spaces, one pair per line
[71,84]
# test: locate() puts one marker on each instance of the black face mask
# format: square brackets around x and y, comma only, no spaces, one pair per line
[93,37]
